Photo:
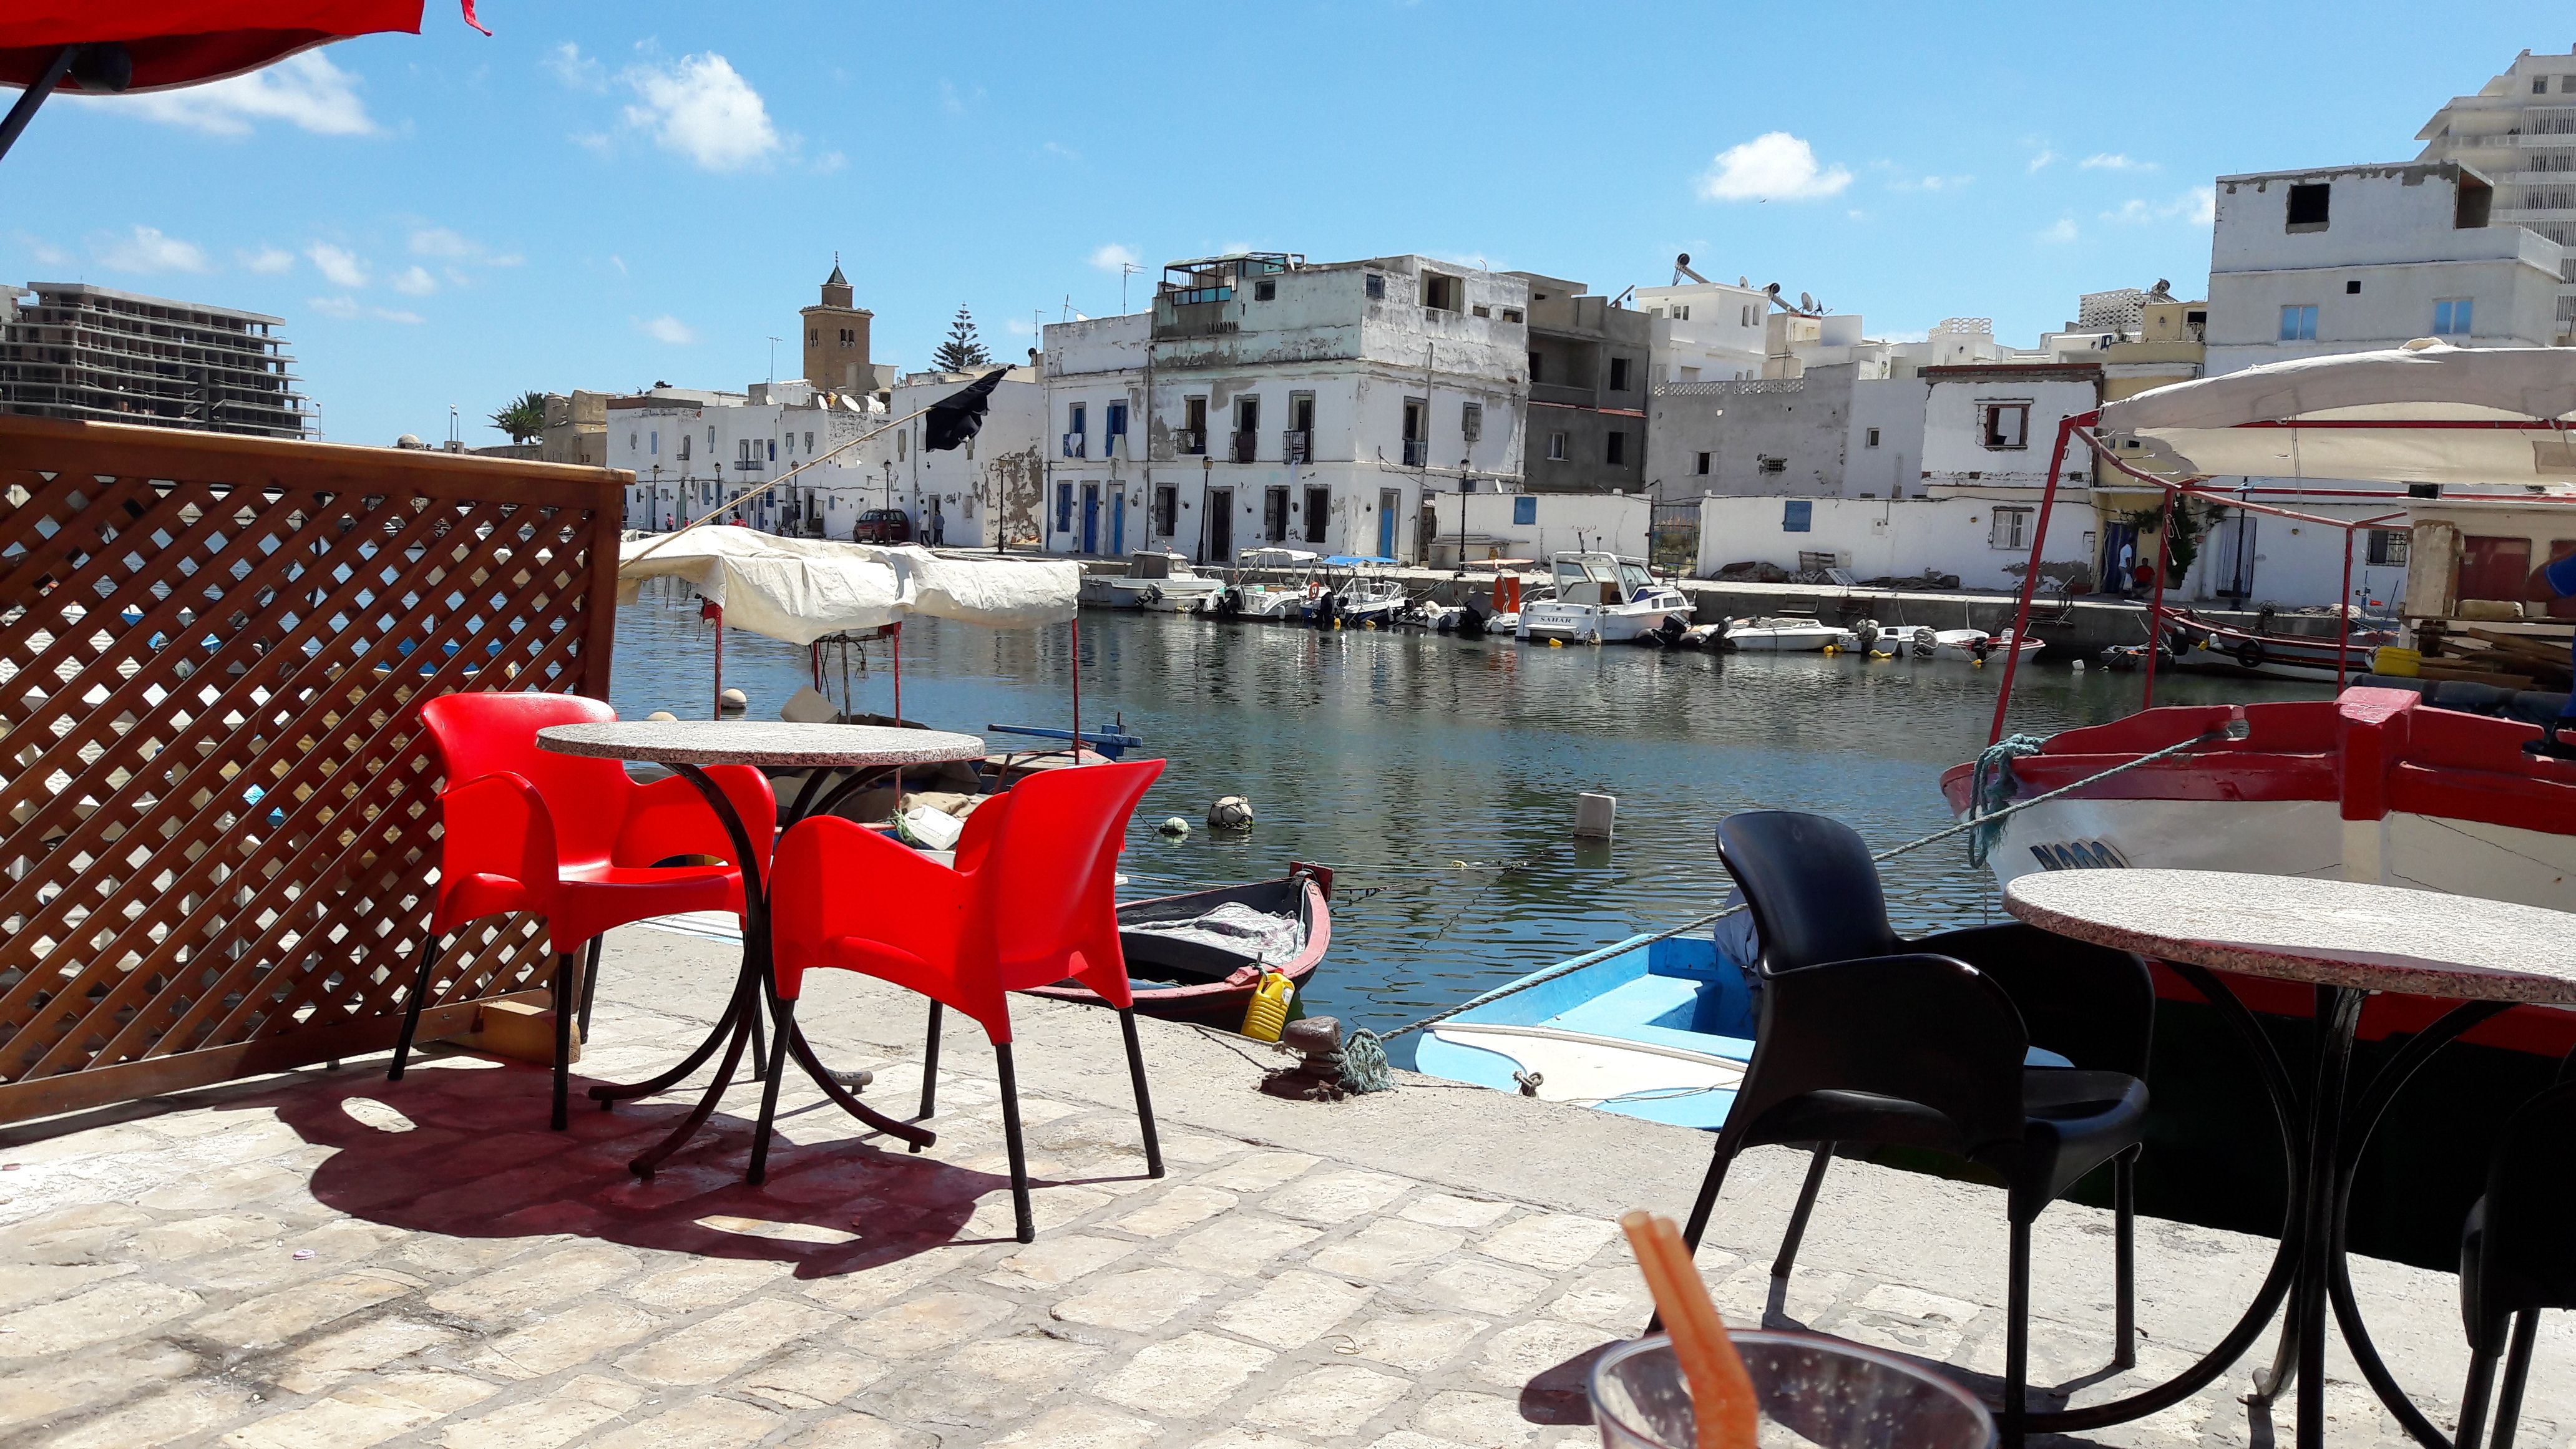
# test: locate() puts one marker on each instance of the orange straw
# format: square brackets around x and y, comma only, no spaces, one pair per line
[1722,1403]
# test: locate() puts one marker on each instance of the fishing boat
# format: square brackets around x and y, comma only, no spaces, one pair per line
[1200,956]
[1661,1030]
[1265,601]
[1601,598]
[1162,583]
[1789,635]
[2267,651]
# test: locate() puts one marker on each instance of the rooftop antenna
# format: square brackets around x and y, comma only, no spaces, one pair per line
[773,344]
[1125,270]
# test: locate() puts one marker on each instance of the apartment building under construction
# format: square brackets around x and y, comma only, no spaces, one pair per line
[71,350]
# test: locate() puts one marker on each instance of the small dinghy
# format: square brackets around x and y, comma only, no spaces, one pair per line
[1199,957]
[1972,645]
[1662,1031]
[1790,635]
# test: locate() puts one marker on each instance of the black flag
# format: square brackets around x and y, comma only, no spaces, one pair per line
[959,416]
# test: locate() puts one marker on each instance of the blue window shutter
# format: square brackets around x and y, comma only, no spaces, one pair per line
[1524,510]
[1797,515]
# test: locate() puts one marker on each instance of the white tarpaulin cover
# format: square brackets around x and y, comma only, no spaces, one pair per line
[802,589]
[2199,427]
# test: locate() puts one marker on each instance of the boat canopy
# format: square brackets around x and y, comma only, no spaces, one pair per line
[803,589]
[1352,561]
[2423,413]
[1275,557]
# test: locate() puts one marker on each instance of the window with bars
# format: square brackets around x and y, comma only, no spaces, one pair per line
[2388,547]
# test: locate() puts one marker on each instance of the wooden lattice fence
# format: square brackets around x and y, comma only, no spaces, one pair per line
[220,815]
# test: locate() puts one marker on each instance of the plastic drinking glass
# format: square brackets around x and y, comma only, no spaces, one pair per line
[1812,1390]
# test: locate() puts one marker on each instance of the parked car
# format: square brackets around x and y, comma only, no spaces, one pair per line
[882,525]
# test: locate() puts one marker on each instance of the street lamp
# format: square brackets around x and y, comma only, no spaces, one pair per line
[655,504]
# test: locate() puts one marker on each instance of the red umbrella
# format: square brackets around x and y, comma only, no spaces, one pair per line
[96,47]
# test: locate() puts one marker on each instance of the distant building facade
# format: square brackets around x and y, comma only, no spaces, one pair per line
[71,350]
[1591,370]
[2519,132]
[1265,399]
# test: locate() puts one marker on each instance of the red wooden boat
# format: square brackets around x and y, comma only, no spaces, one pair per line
[1199,956]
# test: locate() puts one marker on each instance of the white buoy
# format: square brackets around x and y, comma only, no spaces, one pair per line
[736,699]
[1230,812]
[1175,826]
[661,716]
[2079,666]
[1595,815]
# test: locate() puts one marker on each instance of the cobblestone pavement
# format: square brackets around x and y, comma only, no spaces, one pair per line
[326,1259]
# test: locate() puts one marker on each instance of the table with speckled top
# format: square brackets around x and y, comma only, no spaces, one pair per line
[2347,939]
[688,747]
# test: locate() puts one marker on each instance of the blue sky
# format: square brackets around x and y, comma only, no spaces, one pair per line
[609,195]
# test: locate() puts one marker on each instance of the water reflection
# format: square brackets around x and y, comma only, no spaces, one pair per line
[1395,757]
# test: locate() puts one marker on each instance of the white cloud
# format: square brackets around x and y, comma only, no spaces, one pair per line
[1774,166]
[1115,257]
[1020,327]
[2113,161]
[829,162]
[44,253]
[667,328]
[416,282]
[955,102]
[452,246]
[2197,205]
[2062,230]
[2042,160]
[304,90]
[268,261]
[1930,183]
[703,110]
[618,262]
[338,265]
[350,309]
[149,250]
[595,142]
[1060,150]
[575,69]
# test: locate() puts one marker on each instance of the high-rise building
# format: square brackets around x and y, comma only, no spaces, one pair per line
[2519,132]
[70,350]
[836,339]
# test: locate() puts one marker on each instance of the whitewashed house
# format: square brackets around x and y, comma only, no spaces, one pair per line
[1266,399]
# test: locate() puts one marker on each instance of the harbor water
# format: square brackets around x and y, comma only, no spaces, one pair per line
[1438,776]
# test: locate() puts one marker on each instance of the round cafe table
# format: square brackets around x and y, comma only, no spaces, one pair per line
[2347,940]
[686,747]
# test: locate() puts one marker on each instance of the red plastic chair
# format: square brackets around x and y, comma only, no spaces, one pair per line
[1032,901]
[570,838]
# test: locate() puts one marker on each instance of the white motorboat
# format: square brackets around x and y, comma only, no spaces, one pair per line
[1601,598]
[1162,583]
[1972,645]
[1362,599]
[1269,601]
[1789,636]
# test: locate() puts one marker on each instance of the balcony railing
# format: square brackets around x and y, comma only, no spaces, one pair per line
[1293,446]
[1191,442]
[1247,446]
[1077,445]
[1417,451]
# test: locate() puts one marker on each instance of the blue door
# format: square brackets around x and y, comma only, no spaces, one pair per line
[1387,502]
[1118,522]
[1091,518]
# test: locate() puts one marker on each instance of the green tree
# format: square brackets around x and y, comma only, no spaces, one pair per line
[961,350]
[523,418]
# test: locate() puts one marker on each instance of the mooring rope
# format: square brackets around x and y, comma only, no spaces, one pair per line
[1364,1063]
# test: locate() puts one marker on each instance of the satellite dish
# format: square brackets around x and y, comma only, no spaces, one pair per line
[1806,303]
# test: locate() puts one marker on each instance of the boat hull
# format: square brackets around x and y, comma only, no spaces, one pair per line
[1212,1000]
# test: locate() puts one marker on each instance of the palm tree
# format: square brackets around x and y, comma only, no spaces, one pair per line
[524,418]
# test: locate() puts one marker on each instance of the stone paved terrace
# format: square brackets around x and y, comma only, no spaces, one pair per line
[323,1259]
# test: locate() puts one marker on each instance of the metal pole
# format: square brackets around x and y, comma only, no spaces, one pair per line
[2156,600]
[2030,577]
[2343,642]
[719,710]
[1073,628]
[894,635]
[34,96]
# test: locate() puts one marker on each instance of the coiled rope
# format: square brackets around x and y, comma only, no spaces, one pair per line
[1364,1062]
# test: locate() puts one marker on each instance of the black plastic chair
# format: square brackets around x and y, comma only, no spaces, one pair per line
[2516,1257]
[1871,1039]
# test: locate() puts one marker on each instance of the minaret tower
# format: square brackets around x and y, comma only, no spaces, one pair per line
[836,339]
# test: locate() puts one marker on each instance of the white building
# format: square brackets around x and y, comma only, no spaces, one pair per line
[982,495]
[2519,132]
[1266,399]
[1706,331]
[2352,258]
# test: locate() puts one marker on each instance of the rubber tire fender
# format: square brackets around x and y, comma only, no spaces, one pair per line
[2250,653]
